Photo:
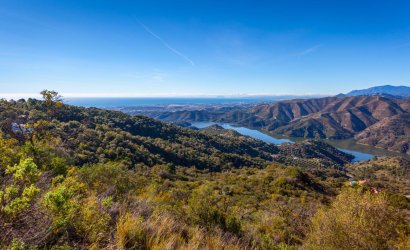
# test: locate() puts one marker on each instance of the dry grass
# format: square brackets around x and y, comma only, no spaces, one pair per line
[163,232]
[130,233]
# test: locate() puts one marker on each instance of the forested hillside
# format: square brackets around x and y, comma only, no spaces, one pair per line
[359,117]
[77,178]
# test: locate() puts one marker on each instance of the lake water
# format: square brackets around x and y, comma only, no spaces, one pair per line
[348,146]
[358,155]
[244,131]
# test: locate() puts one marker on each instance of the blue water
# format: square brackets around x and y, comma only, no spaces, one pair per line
[146,101]
[358,156]
[244,131]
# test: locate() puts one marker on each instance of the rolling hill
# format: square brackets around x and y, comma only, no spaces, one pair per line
[86,178]
[93,135]
[329,117]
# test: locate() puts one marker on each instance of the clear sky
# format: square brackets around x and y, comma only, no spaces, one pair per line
[155,48]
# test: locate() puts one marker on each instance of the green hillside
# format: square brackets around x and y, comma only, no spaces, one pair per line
[77,178]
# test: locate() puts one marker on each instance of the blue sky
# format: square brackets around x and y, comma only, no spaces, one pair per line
[157,48]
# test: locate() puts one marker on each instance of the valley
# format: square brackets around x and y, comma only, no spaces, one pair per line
[93,177]
[361,153]
[204,125]
[375,121]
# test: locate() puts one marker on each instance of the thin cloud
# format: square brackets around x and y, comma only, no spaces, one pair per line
[309,50]
[294,55]
[166,44]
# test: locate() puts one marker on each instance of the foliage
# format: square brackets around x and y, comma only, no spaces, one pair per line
[96,179]
[17,244]
[17,196]
[357,219]
[25,172]
[92,221]
[130,232]
[8,152]
[63,201]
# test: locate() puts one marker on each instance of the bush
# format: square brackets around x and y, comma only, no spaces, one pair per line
[17,196]
[26,171]
[130,232]
[203,209]
[356,220]
[17,244]
[111,175]
[92,222]
[63,201]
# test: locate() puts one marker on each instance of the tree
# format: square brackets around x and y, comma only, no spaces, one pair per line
[51,97]
[52,100]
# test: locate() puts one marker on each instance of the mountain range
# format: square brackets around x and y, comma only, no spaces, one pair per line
[386,90]
[87,178]
[374,120]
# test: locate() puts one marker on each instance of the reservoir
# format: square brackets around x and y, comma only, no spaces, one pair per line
[358,155]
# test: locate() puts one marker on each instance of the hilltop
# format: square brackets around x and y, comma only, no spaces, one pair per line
[329,117]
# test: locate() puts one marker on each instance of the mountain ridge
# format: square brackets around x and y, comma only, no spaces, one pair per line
[328,117]
[386,90]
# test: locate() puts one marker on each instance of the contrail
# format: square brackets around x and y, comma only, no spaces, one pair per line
[310,50]
[166,44]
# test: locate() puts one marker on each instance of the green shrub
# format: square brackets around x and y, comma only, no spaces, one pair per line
[107,201]
[17,197]
[92,222]
[19,204]
[26,171]
[63,201]
[18,244]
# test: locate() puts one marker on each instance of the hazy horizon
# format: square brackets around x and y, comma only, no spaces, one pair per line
[176,95]
[120,95]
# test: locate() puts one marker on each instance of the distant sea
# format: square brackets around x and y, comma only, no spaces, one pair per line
[145,101]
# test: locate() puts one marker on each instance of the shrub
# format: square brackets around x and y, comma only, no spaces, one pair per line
[107,201]
[19,204]
[8,152]
[203,210]
[17,244]
[130,232]
[63,201]
[114,176]
[92,222]
[355,220]
[26,171]
[17,197]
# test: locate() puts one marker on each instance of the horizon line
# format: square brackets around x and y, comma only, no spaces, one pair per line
[159,95]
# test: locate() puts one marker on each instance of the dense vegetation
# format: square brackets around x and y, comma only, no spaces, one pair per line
[75,178]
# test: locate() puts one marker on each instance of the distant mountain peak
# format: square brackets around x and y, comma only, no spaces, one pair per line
[384,90]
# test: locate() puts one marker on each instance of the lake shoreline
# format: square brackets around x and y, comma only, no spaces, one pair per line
[360,151]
